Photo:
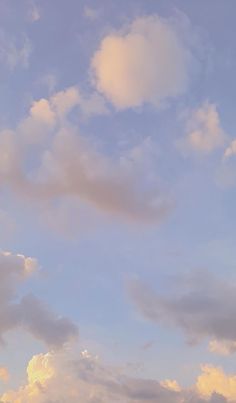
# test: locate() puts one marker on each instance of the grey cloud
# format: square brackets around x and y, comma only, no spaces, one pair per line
[201,305]
[44,324]
[29,312]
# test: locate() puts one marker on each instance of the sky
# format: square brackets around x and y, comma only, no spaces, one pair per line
[117,197]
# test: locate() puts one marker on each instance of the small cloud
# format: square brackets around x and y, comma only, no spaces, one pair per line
[214,380]
[91,13]
[230,150]
[204,133]
[71,166]
[222,347]
[34,13]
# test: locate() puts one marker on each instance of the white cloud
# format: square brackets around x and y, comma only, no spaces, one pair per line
[41,110]
[64,101]
[204,133]
[147,62]
[215,380]
[69,166]
[56,377]
[226,347]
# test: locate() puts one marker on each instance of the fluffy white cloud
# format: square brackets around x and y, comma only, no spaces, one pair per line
[204,133]
[46,114]
[68,165]
[214,380]
[64,101]
[28,313]
[146,62]
[58,378]
[201,305]
[71,167]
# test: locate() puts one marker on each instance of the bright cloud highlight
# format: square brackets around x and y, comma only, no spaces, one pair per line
[145,63]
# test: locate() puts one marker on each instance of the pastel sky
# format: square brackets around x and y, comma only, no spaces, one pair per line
[117,198]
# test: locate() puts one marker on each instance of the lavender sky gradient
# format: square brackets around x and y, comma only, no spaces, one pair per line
[117,175]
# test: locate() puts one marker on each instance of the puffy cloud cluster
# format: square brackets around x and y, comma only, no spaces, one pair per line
[204,131]
[28,313]
[58,378]
[145,63]
[215,380]
[201,305]
[68,165]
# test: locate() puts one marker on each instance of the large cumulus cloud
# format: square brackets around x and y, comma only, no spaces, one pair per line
[62,377]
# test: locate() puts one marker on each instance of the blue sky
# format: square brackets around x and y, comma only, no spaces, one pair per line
[117,175]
